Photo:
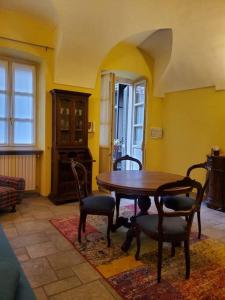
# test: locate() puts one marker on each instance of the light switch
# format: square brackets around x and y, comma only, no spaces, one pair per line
[156,132]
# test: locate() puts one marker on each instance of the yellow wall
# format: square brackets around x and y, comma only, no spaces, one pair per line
[125,57]
[193,121]
[24,28]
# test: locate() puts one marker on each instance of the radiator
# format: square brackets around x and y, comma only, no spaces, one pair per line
[20,166]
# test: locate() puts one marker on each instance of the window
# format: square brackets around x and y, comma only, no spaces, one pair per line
[17,103]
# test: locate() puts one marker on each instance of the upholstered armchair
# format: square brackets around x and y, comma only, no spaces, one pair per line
[11,191]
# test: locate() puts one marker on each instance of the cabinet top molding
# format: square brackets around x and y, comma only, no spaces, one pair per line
[57,91]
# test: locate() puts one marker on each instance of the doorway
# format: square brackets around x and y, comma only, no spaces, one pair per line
[129,120]
[122,121]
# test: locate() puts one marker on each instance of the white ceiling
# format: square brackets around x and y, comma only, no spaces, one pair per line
[189,50]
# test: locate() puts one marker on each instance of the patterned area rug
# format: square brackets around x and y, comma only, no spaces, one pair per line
[137,279]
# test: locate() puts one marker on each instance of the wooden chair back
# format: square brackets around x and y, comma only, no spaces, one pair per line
[126,157]
[170,188]
[80,179]
[200,166]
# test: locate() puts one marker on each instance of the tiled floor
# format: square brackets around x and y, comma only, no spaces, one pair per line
[54,268]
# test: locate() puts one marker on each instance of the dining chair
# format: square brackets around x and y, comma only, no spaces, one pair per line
[119,196]
[185,202]
[170,226]
[91,204]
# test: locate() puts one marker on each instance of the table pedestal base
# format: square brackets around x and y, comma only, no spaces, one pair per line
[121,221]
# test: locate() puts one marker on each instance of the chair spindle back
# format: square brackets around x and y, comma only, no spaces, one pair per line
[80,178]
[126,157]
[170,189]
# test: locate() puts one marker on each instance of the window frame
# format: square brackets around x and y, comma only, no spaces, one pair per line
[140,81]
[10,102]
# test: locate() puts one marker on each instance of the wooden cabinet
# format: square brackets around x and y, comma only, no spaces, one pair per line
[216,189]
[70,118]
[69,140]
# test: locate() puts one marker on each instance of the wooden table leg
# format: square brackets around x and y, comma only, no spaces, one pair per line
[144,203]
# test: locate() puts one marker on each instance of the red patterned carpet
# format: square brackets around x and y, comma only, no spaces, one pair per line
[136,280]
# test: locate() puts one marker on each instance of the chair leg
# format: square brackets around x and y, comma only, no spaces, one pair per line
[117,207]
[138,241]
[135,207]
[160,244]
[187,258]
[173,250]
[199,224]
[84,222]
[79,227]
[110,222]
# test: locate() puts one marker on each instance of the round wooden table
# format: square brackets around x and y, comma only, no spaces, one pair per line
[141,184]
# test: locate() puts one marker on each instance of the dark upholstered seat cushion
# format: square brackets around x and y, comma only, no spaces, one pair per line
[98,203]
[174,226]
[178,202]
[9,279]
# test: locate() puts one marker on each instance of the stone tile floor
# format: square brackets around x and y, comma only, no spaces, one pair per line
[54,268]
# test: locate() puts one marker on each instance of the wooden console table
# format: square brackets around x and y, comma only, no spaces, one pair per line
[216,189]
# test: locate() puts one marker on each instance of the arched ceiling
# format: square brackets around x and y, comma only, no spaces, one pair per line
[42,9]
[186,38]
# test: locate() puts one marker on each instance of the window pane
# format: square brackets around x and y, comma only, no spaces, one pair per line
[3,132]
[23,132]
[138,133]
[3,71]
[2,105]
[115,124]
[139,114]
[140,93]
[137,153]
[116,93]
[23,78]
[23,107]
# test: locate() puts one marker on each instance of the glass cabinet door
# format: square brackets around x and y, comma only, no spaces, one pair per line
[79,124]
[71,121]
[64,122]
